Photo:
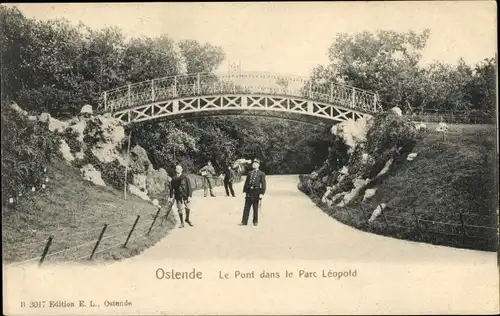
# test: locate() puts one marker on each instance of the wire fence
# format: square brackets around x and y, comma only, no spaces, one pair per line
[451,117]
[64,246]
[460,229]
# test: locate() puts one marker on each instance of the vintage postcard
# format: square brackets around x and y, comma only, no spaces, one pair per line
[267,158]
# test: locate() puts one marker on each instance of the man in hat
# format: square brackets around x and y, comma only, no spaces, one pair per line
[254,189]
[181,191]
[207,173]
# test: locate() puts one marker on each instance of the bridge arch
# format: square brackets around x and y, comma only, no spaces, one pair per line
[236,94]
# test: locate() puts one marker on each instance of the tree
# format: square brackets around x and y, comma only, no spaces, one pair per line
[200,58]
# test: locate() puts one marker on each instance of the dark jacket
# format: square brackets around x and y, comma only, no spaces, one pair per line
[180,187]
[259,185]
[229,175]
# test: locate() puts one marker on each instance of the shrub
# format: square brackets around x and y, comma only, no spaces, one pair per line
[27,147]
[71,138]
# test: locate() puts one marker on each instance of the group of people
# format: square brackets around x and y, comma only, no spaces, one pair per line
[254,188]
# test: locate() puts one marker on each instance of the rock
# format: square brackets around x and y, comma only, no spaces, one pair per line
[337,197]
[139,161]
[385,169]
[420,126]
[57,126]
[89,173]
[86,109]
[396,110]
[44,117]
[369,193]
[327,193]
[79,155]
[442,127]
[359,184]
[78,127]
[66,151]
[344,170]
[411,156]
[313,175]
[352,132]
[106,136]
[377,212]
[156,181]
[135,191]
[18,109]
[139,181]
[32,118]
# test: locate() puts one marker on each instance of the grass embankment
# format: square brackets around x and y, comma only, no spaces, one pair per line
[447,178]
[73,212]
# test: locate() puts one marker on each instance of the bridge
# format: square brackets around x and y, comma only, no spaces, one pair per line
[237,93]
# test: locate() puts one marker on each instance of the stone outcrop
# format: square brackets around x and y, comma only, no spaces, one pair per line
[89,173]
[66,151]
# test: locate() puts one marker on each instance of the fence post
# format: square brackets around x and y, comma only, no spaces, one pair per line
[105,101]
[464,232]
[98,241]
[154,220]
[417,224]
[130,233]
[128,96]
[126,167]
[385,220]
[152,90]
[45,250]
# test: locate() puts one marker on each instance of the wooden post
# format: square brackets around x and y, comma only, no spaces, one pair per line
[152,90]
[375,103]
[464,232]
[154,220]
[417,224]
[130,233]
[105,101]
[98,241]
[45,250]
[128,95]
[310,89]
[385,220]
[126,167]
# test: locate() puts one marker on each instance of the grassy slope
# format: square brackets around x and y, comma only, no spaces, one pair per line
[67,210]
[447,178]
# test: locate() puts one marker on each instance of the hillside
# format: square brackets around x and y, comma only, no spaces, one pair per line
[449,186]
[74,211]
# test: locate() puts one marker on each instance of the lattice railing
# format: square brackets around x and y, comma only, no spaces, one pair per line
[241,83]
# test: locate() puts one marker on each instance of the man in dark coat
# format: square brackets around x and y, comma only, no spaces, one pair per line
[181,191]
[254,189]
[228,181]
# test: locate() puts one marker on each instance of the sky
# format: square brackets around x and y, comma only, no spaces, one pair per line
[292,37]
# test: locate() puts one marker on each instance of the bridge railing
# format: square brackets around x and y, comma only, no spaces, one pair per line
[204,84]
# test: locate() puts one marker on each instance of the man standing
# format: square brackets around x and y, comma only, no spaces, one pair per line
[228,181]
[254,189]
[207,173]
[180,190]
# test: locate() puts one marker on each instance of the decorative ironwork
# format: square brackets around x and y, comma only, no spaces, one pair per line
[240,91]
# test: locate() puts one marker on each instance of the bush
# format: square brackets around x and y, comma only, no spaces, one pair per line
[27,147]
[71,138]
[390,131]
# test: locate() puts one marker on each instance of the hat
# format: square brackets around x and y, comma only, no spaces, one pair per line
[256,160]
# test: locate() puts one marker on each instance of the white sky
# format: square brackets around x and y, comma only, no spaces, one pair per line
[292,37]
